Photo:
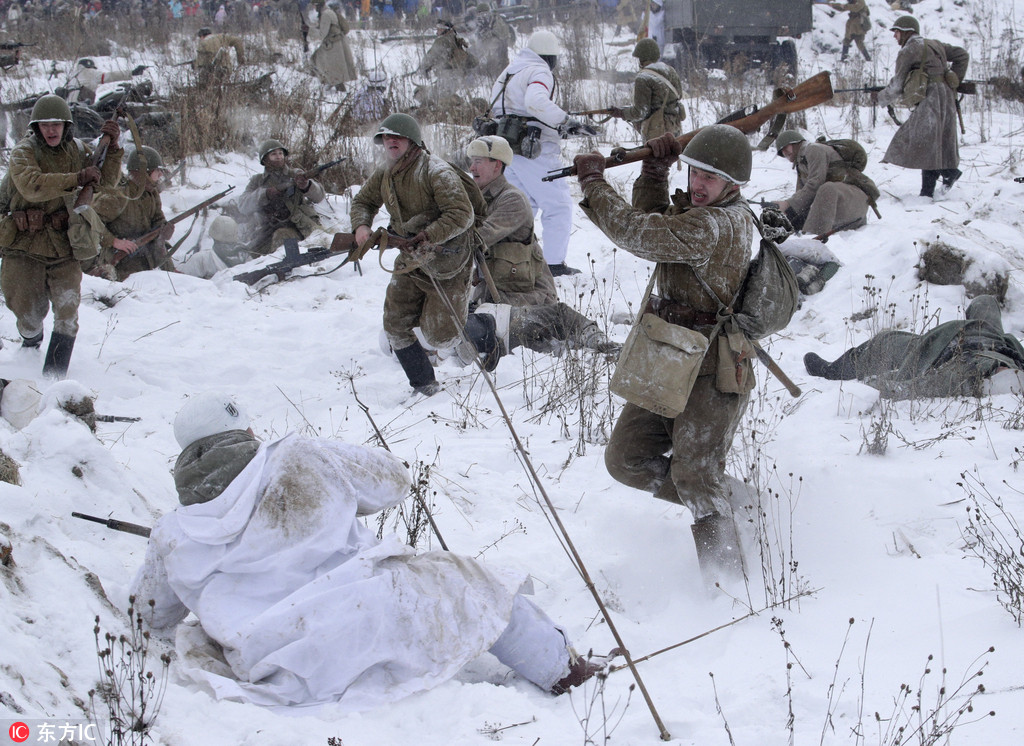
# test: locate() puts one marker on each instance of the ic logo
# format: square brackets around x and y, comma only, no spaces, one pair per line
[18,732]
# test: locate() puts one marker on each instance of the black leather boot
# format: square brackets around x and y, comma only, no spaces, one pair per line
[417,367]
[58,356]
[928,179]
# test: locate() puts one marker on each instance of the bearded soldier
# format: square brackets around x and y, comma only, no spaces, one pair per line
[928,139]
[43,238]
[527,311]
[428,203]
[131,210]
[333,60]
[857,25]
[953,359]
[279,202]
[709,231]
[821,204]
[656,91]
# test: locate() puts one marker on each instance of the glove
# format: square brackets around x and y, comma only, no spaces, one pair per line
[575,127]
[665,152]
[777,226]
[589,168]
[301,183]
[112,130]
[139,70]
[88,176]
[167,232]
[419,240]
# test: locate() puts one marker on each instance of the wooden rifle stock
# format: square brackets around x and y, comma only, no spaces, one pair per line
[145,238]
[116,525]
[813,91]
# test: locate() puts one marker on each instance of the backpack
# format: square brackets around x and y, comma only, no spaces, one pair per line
[769,294]
[851,151]
[851,169]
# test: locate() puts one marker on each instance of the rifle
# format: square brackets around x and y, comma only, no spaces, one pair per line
[294,258]
[145,238]
[862,89]
[8,46]
[128,528]
[813,91]
[84,200]
[414,37]
[186,62]
[312,173]
[115,418]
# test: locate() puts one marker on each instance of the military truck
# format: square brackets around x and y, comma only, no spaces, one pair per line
[734,34]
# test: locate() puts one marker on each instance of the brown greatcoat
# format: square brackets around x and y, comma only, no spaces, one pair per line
[682,459]
[824,205]
[271,222]
[126,216]
[928,139]
[333,60]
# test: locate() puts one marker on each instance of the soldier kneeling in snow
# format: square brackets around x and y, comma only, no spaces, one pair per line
[304,604]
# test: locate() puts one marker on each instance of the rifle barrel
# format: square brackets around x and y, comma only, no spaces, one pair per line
[116,525]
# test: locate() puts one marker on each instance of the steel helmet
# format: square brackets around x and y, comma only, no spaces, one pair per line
[51,108]
[906,23]
[87,62]
[208,414]
[787,137]
[544,43]
[267,145]
[401,125]
[720,149]
[377,79]
[224,229]
[491,146]
[647,51]
[204,32]
[145,158]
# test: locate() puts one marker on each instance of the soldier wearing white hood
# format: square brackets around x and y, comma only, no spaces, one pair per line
[303,603]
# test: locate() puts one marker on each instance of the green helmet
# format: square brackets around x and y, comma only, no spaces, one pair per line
[720,149]
[402,125]
[647,51]
[51,108]
[145,159]
[267,145]
[906,23]
[787,137]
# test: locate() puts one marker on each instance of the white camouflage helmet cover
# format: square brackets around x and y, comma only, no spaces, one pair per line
[224,229]
[495,147]
[544,43]
[208,414]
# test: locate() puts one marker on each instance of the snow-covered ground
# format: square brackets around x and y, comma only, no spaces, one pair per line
[878,539]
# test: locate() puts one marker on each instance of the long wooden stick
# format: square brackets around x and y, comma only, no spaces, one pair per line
[577,560]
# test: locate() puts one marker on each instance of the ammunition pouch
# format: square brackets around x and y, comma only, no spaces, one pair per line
[513,266]
[33,221]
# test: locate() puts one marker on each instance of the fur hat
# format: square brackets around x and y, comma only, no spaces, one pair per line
[208,414]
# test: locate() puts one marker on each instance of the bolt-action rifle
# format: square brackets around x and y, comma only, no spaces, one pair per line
[890,109]
[128,528]
[312,174]
[145,238]
[813,91]
[9,46]
[85,194]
